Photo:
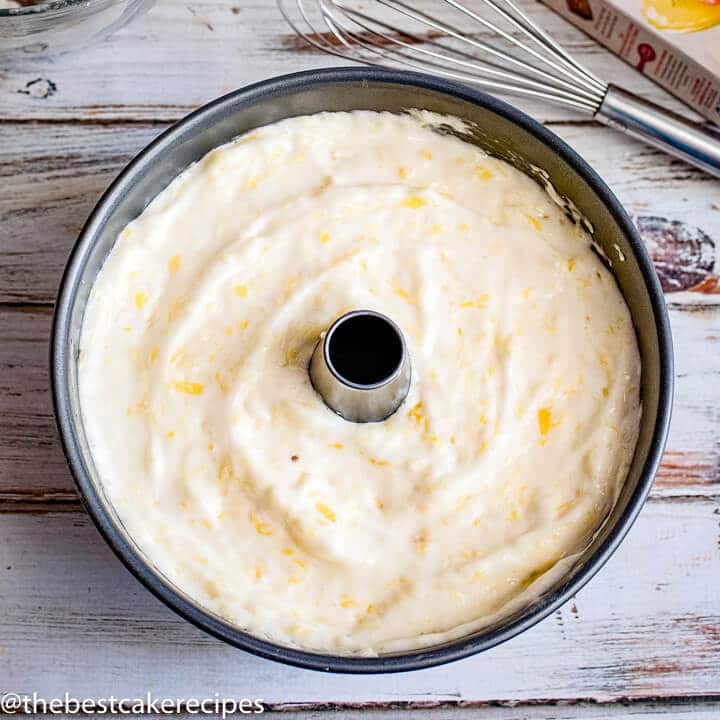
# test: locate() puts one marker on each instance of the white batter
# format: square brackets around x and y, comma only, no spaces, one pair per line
[254,498]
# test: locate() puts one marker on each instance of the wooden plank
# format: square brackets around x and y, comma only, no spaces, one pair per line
[694,710]
[33,471]
[647,626]
[698,709]
[50,178]
[32,466]
[52,175]
[192,52]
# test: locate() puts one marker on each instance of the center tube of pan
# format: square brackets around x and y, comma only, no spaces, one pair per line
[361,367]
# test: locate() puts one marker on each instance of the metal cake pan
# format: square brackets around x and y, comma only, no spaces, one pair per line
[503,131]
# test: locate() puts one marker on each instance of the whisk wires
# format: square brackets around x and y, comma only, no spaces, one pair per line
[500,48]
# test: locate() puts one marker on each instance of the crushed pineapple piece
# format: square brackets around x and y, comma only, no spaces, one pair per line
[413,202]
[545,423]
[260,527]
[189,388]
[416,413]
[325,511]
[225,473]
[141,299]
[534,222]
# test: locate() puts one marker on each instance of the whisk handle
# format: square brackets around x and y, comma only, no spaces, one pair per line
[665,130]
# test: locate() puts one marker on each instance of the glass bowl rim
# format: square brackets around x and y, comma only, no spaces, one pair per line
[49,7]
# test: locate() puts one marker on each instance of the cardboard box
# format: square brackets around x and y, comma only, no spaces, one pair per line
[676,43]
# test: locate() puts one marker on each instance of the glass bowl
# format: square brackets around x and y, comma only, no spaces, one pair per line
[37,27]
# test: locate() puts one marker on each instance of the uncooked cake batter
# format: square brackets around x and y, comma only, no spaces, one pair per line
[248,493]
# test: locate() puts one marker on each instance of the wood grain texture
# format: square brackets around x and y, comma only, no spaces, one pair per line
[52,175]
[67,600]
[50,178]
[693,710]
[33,471]
[182,54]
[686,709]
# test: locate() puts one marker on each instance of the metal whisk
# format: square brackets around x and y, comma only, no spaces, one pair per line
[499,48]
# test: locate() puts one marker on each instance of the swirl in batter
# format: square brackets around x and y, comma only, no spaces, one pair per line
[251,496]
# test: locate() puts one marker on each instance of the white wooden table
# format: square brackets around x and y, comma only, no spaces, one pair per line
[643,638]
